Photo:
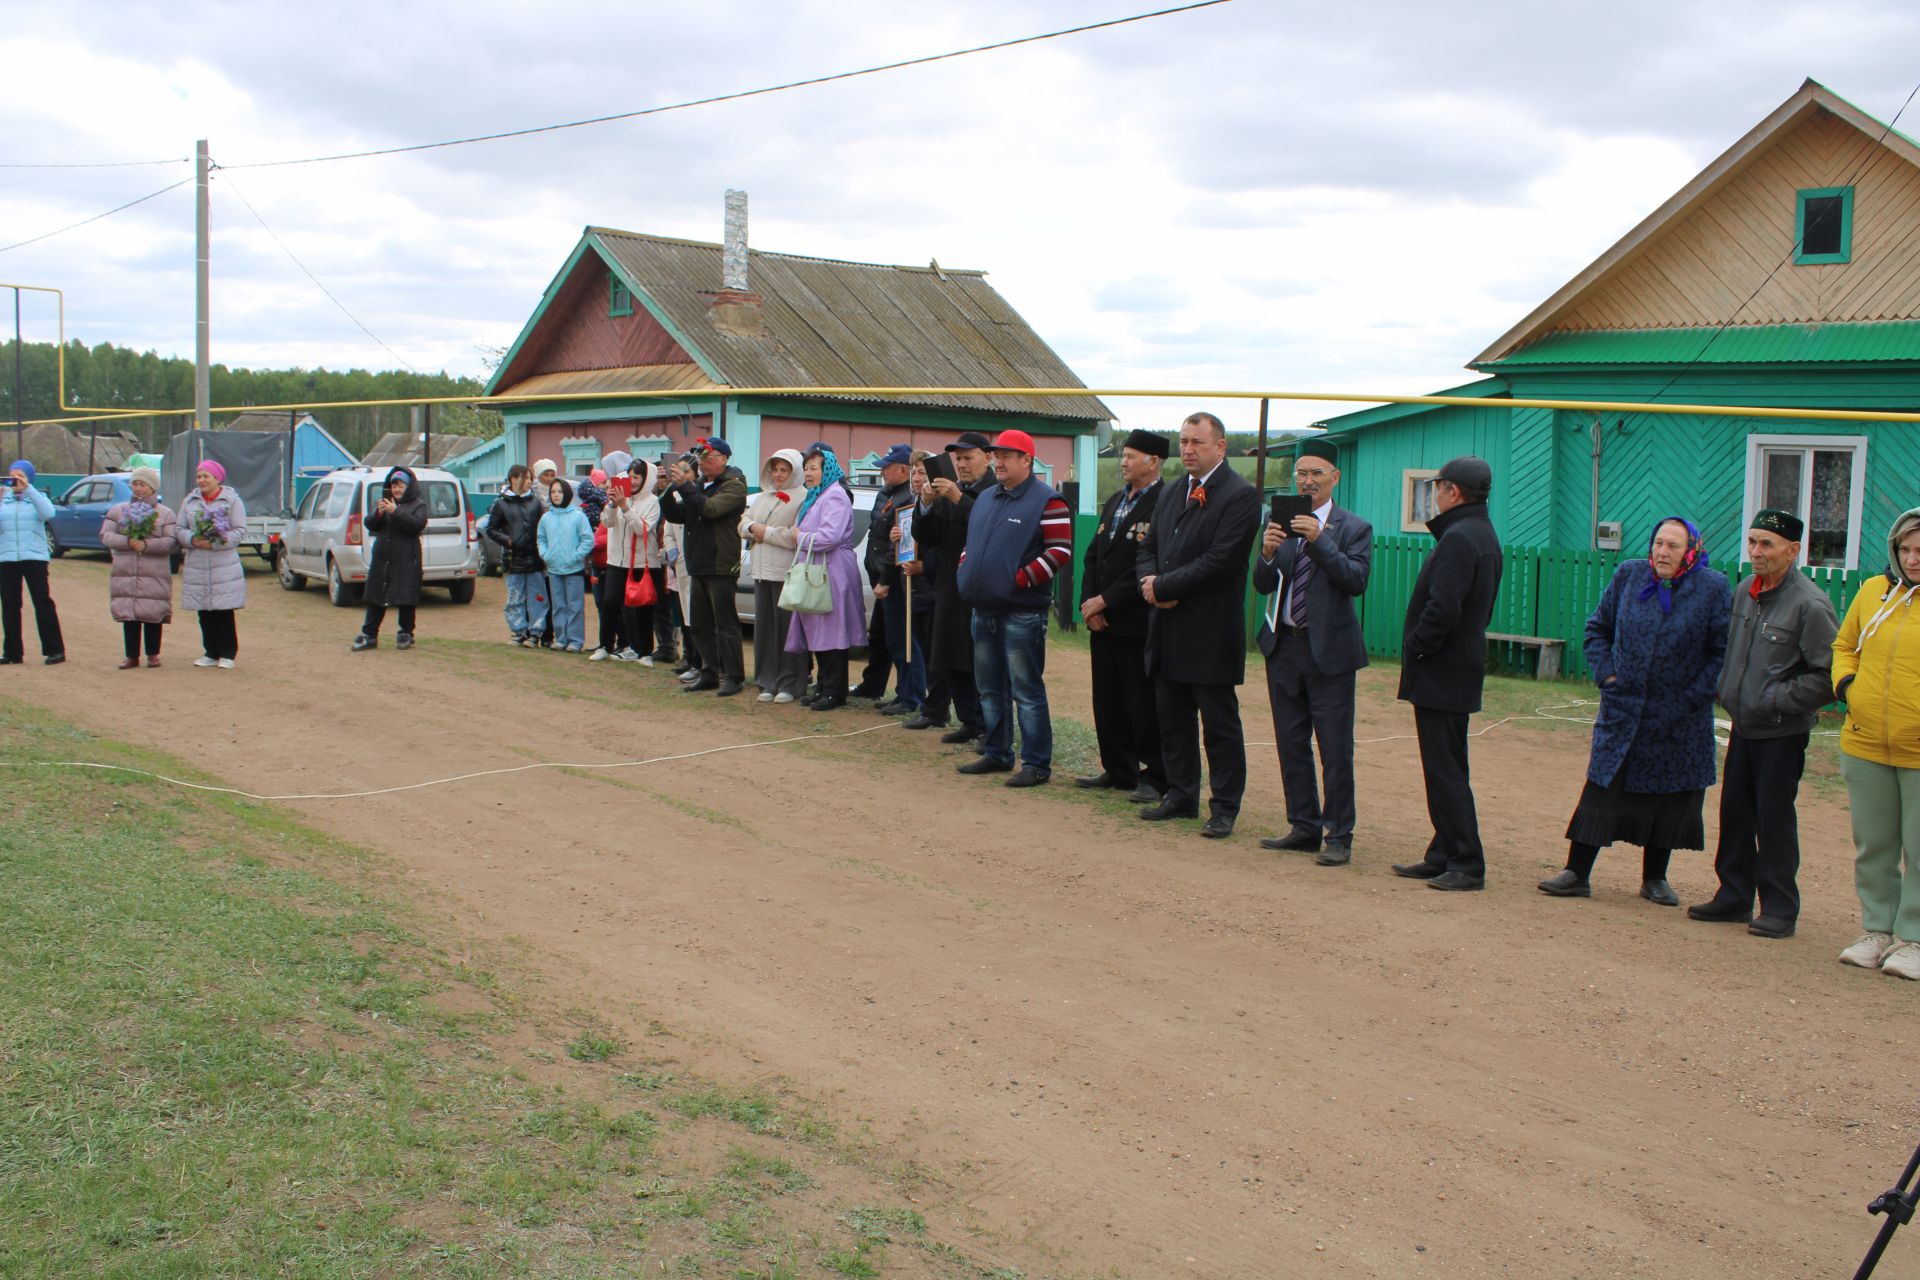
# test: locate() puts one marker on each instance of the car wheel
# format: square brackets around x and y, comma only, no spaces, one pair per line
[337,589]
[54,548]
[289,580]
[461,589]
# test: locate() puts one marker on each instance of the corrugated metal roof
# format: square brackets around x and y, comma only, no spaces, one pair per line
[1838,343]
[403,448]
[259,421]
[851,324]
[639,377]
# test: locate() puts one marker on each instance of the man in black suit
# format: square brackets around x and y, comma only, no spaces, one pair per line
[1124,719]
[1444,664]
[1314,571]
[1193,571]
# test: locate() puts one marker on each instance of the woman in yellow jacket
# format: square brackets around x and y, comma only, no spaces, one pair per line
[1876,669]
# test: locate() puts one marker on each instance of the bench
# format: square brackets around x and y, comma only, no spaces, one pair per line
[1548,665]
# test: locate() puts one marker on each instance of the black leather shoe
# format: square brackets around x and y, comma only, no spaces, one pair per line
[983,765]
[921,722]
[1028,776]
[962,734]
[1099,781]
[896,708]
[1144,794]
[55,659]
[1456,882]
[1217,828]
[827,702]
[1660,893]
[1168,809]
[404,640]
[729,687]
[865,691]
[1421,870]
[1338,853]
[364,642]
[1771,927]
[9,662]
[1717,912]
[1299,840]
[1568,884]
[701,685]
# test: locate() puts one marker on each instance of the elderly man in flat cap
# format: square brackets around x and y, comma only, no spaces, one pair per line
[1313,571]
[1777,676]
[1124,720]
[1443,665]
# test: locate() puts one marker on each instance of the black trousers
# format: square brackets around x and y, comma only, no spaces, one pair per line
[716,626]
[377,613]
[1443,760]
[665,607]
[610,604]
[1759,848]
[219,634]
[879,653]
[134,632]
[1126,721]
[1309,705]
[32,574]
[1182,710]
[833,672]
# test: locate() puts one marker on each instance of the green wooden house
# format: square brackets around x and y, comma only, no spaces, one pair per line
[1786,274]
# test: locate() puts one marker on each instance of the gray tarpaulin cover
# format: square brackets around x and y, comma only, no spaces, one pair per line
[259,467]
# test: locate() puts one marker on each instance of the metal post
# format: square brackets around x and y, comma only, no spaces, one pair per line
[426,447]
[293,443]
[19,413]
[202,333]
[93,434]
[1260,457]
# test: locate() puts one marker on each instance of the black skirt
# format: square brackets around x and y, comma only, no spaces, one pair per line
[1610,814]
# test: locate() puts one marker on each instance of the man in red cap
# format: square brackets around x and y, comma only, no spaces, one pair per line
[1019,539]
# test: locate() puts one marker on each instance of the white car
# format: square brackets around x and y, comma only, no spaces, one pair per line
[863,500]
[327,537]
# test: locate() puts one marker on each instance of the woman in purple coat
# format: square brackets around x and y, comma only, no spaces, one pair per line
[825,535]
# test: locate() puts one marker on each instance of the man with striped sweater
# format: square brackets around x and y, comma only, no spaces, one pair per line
[1019,539]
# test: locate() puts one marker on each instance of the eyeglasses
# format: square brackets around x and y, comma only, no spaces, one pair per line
[1315,474]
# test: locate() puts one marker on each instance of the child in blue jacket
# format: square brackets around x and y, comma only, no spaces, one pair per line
[566,540]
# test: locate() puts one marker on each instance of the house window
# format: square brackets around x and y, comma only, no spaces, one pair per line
[619,297]
[1417,505]
[1823,227]
[1821,479]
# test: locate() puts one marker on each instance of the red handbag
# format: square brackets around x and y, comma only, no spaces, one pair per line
[640,591]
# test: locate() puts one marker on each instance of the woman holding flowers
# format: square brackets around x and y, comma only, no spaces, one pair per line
[139,533]
[211,523]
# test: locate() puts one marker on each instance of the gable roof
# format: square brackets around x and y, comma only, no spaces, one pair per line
[828,323]
[1810,98]
[403,449]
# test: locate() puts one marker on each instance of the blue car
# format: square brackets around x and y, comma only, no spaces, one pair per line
[79,512]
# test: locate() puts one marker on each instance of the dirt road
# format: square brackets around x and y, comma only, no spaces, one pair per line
[1112,1048]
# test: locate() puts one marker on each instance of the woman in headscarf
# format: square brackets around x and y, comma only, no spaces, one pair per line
[768,526]
[393,573]
[139,533]
[211,523]
[632,522]
[24,552]
[609,563]
[1655,646]
[824,534]
[1876,670]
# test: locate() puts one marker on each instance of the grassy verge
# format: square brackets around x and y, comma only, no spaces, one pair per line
[224,1055]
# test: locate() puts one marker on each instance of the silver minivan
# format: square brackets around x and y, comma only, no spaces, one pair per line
[327,537]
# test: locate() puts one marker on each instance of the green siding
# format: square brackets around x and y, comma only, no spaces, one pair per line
[1754,344]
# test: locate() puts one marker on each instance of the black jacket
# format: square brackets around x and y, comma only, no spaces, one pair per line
[1197,554]
[1443,658]
[1112,569]
[710,510]
[945,524]
[1342,562]
[514,523]
[883,568]
[393,573]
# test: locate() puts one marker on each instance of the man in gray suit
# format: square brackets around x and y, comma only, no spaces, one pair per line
[1311,635]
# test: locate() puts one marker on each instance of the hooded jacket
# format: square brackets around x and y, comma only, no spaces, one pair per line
[565,534]
[777,509]
[514,524]
[709,510]
[394,570]
[23,523]
[637,527]
[1876,663]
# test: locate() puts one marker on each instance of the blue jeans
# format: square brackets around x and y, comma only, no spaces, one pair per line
[909,662]
[569,610]
[1009,663]
[527,605]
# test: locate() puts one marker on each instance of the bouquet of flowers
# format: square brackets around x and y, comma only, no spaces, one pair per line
[212,525]
[137,521]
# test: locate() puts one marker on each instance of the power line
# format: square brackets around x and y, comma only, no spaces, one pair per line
[309,274]
[20,244]
[734,97]
[101,164]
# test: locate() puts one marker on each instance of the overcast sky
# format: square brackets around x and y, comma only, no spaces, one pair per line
[1259,195]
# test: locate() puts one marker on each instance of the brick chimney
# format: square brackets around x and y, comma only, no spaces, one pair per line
[735,309]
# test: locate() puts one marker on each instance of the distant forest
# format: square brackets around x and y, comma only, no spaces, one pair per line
[111,377]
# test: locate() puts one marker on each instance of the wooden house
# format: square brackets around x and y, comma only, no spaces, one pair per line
[1787,273]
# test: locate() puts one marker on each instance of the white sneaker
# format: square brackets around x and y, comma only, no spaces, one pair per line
[690,676]
[226,664]
[599,655]
[764,697]
[645,659]
[783,697]
[205,662]
[1903,961]
[1869,951]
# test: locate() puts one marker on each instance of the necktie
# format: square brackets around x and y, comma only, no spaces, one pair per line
[1302,575]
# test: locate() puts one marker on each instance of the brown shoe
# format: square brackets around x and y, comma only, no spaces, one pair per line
[128,664]
[153,660]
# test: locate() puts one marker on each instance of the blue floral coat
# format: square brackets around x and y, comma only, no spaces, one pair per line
[1656,719]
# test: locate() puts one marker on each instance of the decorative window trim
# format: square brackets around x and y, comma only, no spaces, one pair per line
[1411,481]
[619,298]
[1845,253]
[1759,445]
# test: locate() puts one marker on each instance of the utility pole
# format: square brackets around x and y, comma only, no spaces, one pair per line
[19,414]
[202,334]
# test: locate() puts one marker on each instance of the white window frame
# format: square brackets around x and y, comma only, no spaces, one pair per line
[1410,481]
[1759,445]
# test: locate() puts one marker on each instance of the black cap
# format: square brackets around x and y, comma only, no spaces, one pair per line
[1471,474]
[1784,523]
[1321,449]
[970,440]
[1151,442]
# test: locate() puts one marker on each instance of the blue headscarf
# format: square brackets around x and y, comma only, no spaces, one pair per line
[1696,557]
[830,474]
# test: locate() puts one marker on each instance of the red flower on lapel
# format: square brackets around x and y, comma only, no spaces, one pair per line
[783,495]
[1200,495]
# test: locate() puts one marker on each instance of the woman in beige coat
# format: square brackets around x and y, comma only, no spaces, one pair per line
[768,527]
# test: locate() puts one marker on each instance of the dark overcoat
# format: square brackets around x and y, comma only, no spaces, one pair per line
[1112,569]
[1443,661]
[393,574]
[1656,717]
[944,524]
[1197,554]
